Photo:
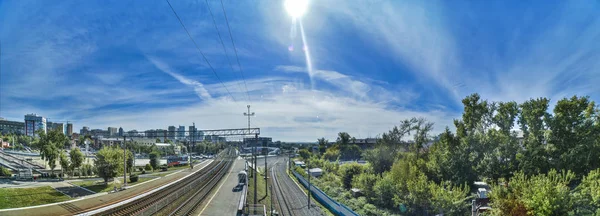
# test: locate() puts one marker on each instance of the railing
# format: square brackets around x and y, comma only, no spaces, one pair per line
[329,203]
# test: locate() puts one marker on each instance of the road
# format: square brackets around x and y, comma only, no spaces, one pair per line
[289,194]
[224,200]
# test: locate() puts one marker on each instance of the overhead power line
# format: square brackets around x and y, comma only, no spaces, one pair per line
[201,53]
[223,44]
[235,50]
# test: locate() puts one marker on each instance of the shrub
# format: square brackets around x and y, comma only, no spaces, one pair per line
[148,167]
[143,171]
[133,178]
[5,171]
[140,169]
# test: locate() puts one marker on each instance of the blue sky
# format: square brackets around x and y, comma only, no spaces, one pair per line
[374,63]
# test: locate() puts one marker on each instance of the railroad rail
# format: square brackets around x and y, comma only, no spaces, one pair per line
[282,200]
[164,199]
[191,203]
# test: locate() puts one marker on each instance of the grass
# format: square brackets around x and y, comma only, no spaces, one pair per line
[21,197]
[262,196]
[99,187]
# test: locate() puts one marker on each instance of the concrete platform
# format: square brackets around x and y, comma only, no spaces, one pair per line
[96,200]
[227,196]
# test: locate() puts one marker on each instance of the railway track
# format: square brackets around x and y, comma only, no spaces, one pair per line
[191,203]
[282,200]
[180,198]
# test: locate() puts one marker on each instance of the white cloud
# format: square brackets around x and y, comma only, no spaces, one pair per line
[198,87]
[339,80]
[299,115]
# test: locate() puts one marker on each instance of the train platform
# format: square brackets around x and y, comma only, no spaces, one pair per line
[225,199]
[72,207]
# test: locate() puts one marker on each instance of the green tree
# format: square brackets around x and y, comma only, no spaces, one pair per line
[109,163]
[76,158]
[366,182]
[331,154]
[305,154]
[322,145]
[533,158]
[587,195]
[50,145]
[387,148]
[348,171]
[129,161]
[574,136]
[385,189]
[449,159]
[64,162]
[542,194]
[154,159]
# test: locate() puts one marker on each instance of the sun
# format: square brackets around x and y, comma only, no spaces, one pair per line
[296,8]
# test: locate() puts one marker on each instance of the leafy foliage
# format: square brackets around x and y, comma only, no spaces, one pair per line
[76,157]
[154,159]
[64,162]
[305,154]
[109,163]
[542,194]
[348,171]
[5,171]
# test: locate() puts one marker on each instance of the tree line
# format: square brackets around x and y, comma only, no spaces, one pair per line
[537,162]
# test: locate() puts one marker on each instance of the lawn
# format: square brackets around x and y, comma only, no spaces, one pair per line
[99,187]
[261,192]
[21,197]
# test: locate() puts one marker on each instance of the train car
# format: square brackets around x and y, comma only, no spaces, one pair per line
[178,160]
[242,177]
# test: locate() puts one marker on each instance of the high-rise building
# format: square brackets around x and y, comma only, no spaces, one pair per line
[34,122]
[192,132]
[57,126]
[112,131]
[181,133]
[121,131]
[14,127]
[161,133]
[171,133]
[84,131]
[69,129]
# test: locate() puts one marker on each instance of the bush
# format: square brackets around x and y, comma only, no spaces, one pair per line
[148,167]
[140,169]
[133,178]
[143,171]
[5,172]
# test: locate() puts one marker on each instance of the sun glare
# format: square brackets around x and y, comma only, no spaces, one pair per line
[296,8]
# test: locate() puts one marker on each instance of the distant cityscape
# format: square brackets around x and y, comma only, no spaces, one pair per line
[109,136]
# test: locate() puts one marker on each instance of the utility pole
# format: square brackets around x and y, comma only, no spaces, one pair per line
[266,169]
[249,114]
[124,162]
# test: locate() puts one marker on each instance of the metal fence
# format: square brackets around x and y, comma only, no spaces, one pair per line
[329,203]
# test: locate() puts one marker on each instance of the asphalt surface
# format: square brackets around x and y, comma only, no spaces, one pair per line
[224,201]
[289,194]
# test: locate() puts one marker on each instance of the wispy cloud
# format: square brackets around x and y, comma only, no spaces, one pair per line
[198,87]
[339,80]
